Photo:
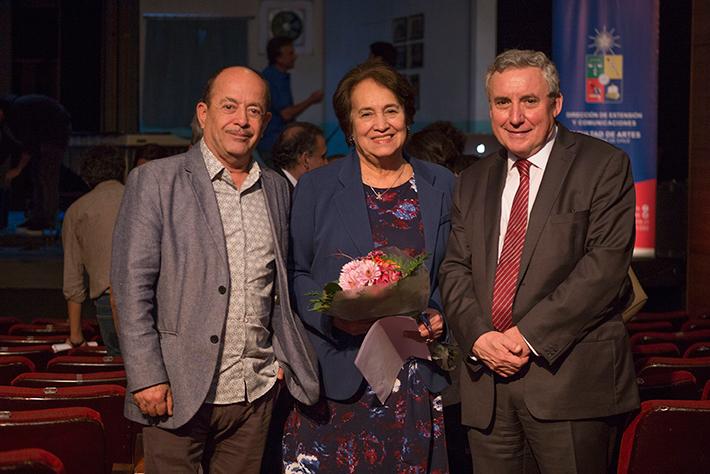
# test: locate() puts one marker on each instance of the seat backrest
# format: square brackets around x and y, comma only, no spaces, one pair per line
[58,379]
[106,399]
[14,341]
[695,325]
[681,339]
[88,351]
[85,364]
[38,354]
[699,349]
[75,435]
[706,391]
[30,461]
[677,318]
[659,326]
[12,366]
[698,366]
[23,329]
[667,436]
[6,322]
[675,385]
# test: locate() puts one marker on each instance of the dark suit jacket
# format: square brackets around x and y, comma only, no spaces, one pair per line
[571,288]
[170,278]
[328,219]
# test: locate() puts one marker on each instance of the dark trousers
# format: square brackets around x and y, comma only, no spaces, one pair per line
[569,446]
[220,438]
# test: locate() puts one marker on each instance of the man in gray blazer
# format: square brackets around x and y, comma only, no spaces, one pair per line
[534,283]
[199,278]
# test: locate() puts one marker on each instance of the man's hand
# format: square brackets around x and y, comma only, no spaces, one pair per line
[11,174]
[500,353]
[280,374]
[155,401]
[514,334]
[437,325]
[315,97]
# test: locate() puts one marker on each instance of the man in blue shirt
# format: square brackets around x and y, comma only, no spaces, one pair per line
[282,58]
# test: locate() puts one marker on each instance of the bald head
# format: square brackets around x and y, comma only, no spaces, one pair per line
[237,73]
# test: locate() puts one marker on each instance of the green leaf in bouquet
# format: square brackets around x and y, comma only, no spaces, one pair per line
[322,301]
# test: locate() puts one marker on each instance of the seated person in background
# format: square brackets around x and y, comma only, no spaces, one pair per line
[150,152]
[86,237]
[299,149]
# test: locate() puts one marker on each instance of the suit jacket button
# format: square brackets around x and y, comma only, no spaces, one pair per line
[277,300]
[222,290]
[214,339]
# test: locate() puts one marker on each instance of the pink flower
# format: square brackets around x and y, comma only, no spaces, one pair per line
[358,274]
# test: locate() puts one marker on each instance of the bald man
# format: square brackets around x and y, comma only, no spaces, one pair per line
[199,278]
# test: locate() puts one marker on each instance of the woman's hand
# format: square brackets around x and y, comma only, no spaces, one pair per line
[436,325]
[354,328]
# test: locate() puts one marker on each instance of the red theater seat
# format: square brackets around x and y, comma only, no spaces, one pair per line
[39,355]
[675,385]
[84,364]
[30,461]
[657,326]
[12,366]
[677,318]
[681,339]
[695,325]
[699,367]
[105,399]
[706,391]
[667,436]
[699,349]
[23,329]
[23,341]
[88,350]
[75,435]
[6,323]
[58,379]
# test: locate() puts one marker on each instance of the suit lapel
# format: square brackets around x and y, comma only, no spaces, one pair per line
[350,203]
[491,222]
[557,167]
[274,211]
[206,198]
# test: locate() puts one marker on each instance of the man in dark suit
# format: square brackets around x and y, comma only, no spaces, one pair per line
[299,149]
[534,282]
[199,277]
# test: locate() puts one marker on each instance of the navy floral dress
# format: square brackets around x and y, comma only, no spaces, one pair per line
[406,434]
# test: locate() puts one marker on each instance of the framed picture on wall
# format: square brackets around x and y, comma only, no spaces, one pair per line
[416,55]
[414,81]
[416,27]
[401,62]
[399,29]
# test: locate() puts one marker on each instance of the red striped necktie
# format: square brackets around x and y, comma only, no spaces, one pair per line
[508,267]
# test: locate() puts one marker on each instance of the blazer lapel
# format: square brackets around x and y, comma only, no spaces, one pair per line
[430,202]
[274,211]
[557,167]
[350,203]
[491,221]
[206,198]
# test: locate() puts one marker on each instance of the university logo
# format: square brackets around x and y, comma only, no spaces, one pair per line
[605,69]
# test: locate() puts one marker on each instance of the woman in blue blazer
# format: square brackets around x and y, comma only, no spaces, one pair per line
[377,196]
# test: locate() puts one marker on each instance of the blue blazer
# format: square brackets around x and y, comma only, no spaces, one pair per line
[328,219]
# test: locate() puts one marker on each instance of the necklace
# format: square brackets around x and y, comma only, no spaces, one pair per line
[379,195]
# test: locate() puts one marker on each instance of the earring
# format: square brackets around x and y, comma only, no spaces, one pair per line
[351,140]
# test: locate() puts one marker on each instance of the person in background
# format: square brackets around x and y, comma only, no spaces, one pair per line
[86,238]
[196,131]
[150,152]
[375,197]
[384,51]
[282,58]
[37,129]
[534,283]
[299,149]
[199,277]
[441,143]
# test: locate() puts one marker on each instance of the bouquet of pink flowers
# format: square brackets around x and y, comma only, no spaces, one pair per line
[385,282]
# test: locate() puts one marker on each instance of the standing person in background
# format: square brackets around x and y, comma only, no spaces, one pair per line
[282,58]
[37,127]
[534,283]
[199,277]
[299,149]
[86,237]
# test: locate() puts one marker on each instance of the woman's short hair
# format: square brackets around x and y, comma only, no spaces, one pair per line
[102,163]
[521,58]
[383,74]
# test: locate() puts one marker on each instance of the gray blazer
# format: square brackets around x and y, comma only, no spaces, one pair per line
[171,282]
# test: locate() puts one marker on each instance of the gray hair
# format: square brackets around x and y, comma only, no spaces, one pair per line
[521,58]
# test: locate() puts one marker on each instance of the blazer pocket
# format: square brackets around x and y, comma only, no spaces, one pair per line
[569,217]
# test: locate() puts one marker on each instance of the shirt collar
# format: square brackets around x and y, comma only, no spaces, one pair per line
[215,168]
[539,159]
[289,176]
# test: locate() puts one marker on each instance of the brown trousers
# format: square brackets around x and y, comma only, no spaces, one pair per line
[220,438]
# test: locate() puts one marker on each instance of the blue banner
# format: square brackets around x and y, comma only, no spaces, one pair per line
[606,52]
